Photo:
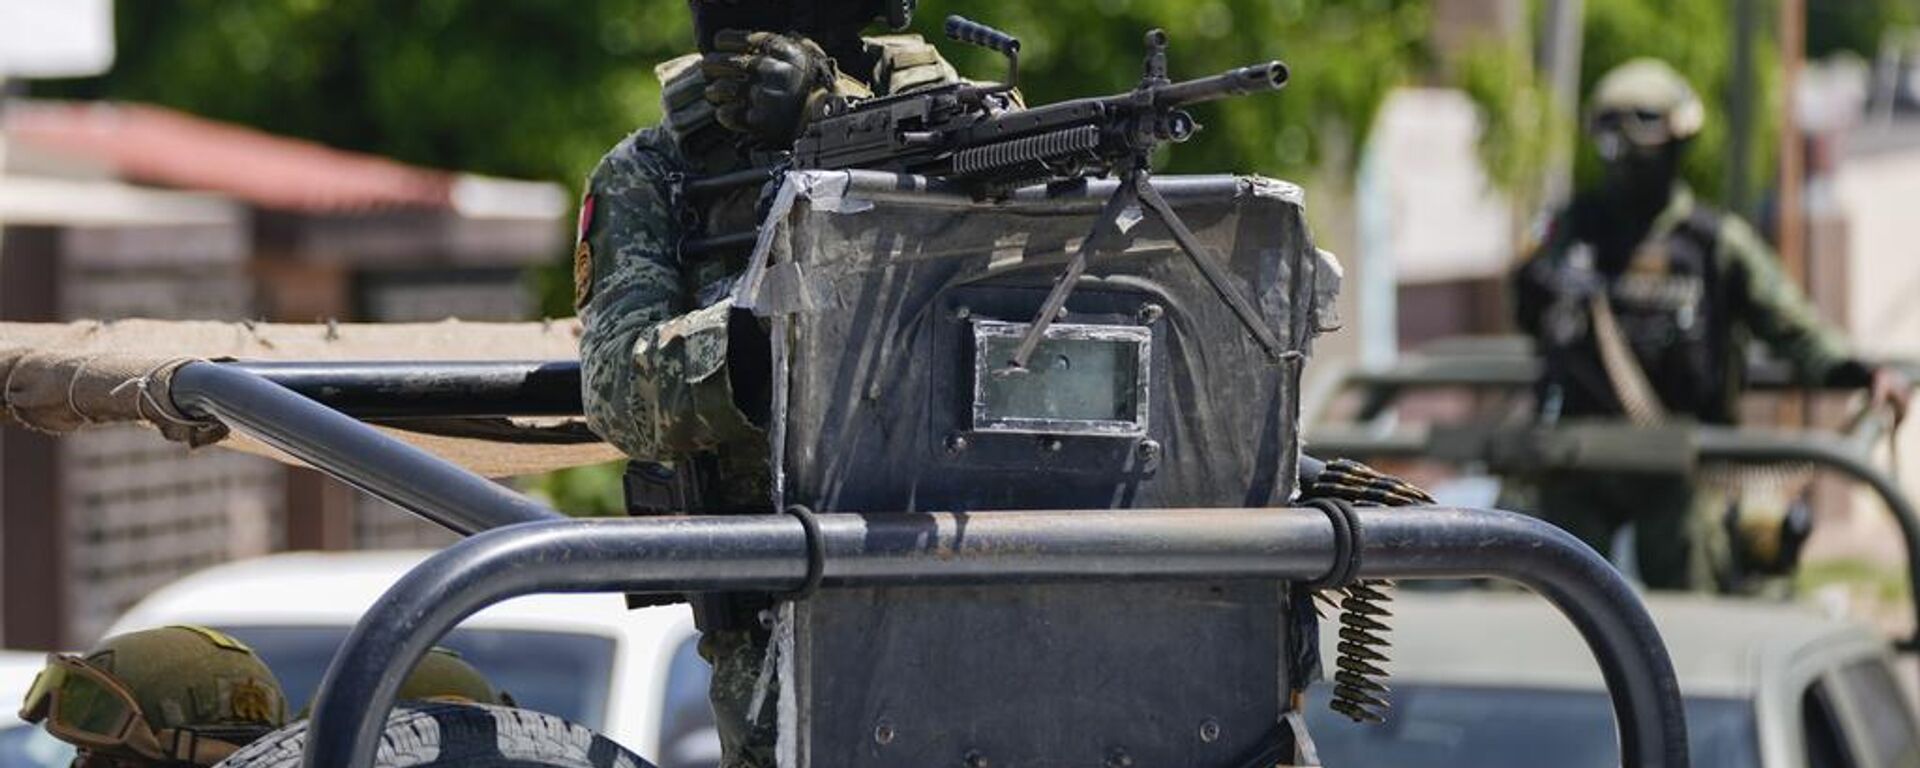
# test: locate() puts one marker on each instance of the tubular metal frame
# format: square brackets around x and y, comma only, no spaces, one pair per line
[410,390]
[355,453]
[520,547]
[1711,445]
[770,553]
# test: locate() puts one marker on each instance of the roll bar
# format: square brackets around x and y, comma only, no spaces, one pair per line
[520,547]
[1676,448]
[350,451]
[770,553]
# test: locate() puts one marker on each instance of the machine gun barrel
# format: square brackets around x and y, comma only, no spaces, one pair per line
[1270,76]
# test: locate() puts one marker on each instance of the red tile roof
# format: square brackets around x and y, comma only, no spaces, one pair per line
[162,147]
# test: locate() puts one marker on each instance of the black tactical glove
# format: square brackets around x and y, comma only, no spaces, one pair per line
[767,85]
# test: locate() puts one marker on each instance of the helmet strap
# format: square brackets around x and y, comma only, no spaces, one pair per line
[177,745]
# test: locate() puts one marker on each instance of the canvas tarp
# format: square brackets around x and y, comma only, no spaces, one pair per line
[61,377]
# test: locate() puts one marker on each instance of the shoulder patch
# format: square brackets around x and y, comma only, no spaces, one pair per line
[583,255]
[582,274]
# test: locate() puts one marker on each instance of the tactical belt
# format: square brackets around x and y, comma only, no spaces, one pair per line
[690,488]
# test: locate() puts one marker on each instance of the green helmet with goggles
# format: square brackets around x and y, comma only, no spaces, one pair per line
[442,675]
[1643,104]
[177,695]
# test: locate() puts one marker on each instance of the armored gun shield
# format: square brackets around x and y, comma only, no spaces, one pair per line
[895,306]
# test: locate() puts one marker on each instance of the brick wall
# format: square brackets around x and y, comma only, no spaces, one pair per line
[108,515]
[142,512]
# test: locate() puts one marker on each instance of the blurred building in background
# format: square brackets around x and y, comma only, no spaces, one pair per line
[1864,192]
[119,210]
[122,210]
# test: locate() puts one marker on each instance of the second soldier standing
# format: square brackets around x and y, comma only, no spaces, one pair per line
[1643,302]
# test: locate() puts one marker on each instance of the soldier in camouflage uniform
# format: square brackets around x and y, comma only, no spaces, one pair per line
[174,696]
[673,374]
[1643,303]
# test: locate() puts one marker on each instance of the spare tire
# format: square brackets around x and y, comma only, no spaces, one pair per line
[443,735]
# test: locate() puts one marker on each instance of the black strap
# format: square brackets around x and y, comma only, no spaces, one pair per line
[1703,227]
[1348,542]
[816,552]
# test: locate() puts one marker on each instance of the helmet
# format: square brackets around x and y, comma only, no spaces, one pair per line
[1643,102]
[179,695]
[813,18]
[442,675]
[897,14]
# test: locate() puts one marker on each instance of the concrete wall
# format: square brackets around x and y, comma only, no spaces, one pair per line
[1879,194]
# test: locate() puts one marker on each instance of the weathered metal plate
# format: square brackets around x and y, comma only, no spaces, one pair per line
[877,288]
[876,284]
[1170,675]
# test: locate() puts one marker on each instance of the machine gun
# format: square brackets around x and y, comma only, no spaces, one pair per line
[974,136]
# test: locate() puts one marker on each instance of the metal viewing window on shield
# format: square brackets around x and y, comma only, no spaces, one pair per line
[1081,380]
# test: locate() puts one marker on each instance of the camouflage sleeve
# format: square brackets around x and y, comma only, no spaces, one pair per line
[1775,309]
[654,373]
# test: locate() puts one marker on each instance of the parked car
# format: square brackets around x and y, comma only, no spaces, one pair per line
[1481,678]
[1492,680]
[633,675]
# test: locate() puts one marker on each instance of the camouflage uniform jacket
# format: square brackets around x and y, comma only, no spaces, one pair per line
[1689,295]
[654,355]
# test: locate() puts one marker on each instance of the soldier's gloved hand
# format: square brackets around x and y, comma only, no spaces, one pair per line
[767,85]
[1891,389]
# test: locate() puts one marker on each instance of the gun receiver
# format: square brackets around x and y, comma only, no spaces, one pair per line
[972,134]
[965,30]
[977,136]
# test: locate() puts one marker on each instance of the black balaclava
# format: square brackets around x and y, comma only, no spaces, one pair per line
[835,26]
[1636,184]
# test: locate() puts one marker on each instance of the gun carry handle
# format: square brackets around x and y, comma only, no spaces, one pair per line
[965,30]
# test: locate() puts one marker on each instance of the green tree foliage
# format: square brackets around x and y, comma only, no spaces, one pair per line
[1855,26]
[1695,36]
[1518,130]
[527,88]
[538,89]
[1344,56]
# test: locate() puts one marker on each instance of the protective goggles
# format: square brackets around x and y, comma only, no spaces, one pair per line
[86,706]
[1617,129]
